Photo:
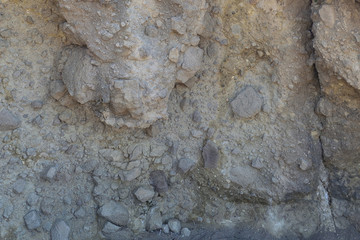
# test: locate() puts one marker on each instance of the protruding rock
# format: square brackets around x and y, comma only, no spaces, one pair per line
[60,230]
[185,232]
[144,194]
[247,103]
[154,220]
[8,120]
[174,225]
[158,180]
[185,164]
[115,213]
[210,155]
[32,220]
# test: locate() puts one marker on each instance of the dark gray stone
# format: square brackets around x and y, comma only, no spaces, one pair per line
[32,220]
[185,164]
[210,155]
[19,186]
[115,213]
[158,180]
[247,104]
[174,225]
[60,230]
[154,220]
[8,120]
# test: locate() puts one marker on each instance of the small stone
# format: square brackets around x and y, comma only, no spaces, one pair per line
[174,225]
[185,232]
[151,31]
[327,15]
[196,117]
[247,103]
[174,55]
[210,154]
[305,164]
[166,228]
[8,210]
[158,180]
[110,228]
[178,25]
[132,174]
[32,199]
[49,173]
[37,104]
[154,220]
[115,213]
[80,213]
[19,186]
[193,59]
[185,164]
[32,220]
[60,230]
[144,194]
[257,163]
[8,120]
[57,89]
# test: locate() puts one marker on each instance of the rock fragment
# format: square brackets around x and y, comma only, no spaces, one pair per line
[185,164]
[32,220]
[210,154]
[247,103]
[193,59]
[49,173]
[37,104]
[174,225]
[8,120]
[110,228]
[158,180]
[144,194]
[115,213]
[57,89]
[60,230]
[154,220]
[185,232]
[19,186]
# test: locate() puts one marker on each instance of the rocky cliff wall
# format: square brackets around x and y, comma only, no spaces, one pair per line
[150,119]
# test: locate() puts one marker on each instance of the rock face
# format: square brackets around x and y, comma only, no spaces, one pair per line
[337,50]
[123,119]
[122,64]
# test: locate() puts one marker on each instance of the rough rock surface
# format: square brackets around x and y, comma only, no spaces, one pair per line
[240,119]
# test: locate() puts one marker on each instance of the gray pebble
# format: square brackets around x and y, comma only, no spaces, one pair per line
[32,199]
[37,104]
[154,220]
[8,210]
[80,212]
[60,230]
[196,117]
[185,164]
[210,155]
[174,225]
[49,173]
[185,232]
[32,220]
[247,104]
[19,186]
[115,213]
[166,228]
[8,120]
[151,31]
[144,194]
[158,180]
[110,228]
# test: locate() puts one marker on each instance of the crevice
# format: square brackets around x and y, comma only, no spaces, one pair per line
[327,217]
